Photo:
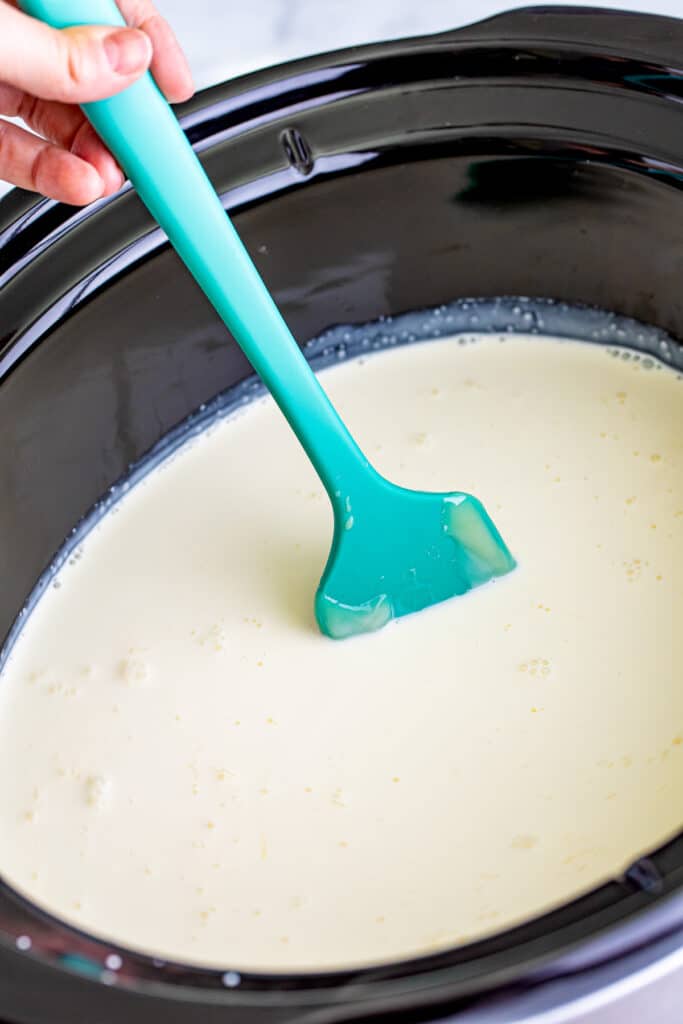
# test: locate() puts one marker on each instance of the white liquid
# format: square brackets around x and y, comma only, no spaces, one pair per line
[189,768]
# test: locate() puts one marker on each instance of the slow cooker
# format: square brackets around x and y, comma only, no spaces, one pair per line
[540,154]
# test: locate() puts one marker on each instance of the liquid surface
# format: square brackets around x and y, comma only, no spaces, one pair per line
[189,768]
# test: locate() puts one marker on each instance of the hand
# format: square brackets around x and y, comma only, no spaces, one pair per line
[45,73]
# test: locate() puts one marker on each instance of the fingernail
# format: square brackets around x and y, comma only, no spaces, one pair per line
[128,51]
[118,181]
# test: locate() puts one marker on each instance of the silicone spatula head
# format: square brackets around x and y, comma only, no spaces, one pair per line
[394,551]
[397,551]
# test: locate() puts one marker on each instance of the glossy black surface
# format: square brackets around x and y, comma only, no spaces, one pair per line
[539,153]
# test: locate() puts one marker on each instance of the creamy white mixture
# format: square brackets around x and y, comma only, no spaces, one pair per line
[188,767]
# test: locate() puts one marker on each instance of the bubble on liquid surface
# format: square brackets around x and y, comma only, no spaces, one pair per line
[468,319]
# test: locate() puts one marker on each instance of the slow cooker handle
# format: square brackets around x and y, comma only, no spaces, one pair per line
[652,38]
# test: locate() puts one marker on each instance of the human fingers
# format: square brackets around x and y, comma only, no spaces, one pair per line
[72,65]
[33,163]
[66,126]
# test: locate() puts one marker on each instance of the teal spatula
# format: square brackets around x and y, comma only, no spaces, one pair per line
[394,550]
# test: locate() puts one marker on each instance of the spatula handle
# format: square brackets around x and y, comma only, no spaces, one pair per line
[142,132]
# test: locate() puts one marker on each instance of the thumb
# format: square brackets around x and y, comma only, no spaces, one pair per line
[73,65]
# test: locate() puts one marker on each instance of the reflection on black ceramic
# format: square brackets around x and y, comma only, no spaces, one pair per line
[536,154]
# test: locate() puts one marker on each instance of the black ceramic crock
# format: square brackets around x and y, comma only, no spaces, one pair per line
[539,153]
